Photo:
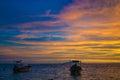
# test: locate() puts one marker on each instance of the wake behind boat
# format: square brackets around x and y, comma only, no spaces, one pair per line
[20,67]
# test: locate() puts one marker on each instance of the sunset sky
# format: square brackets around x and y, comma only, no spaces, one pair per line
[50,31]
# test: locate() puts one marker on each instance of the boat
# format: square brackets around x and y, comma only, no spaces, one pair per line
[75,69]
[20,67]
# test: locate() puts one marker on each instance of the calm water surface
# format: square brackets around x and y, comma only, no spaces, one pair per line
[61,72]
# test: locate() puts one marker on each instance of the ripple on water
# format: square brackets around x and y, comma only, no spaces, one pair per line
[61,72]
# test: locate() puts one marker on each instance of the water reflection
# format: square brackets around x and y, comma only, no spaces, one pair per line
[76,77]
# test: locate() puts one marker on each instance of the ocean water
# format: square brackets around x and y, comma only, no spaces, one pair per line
[61,72]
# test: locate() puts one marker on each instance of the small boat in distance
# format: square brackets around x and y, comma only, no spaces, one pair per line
[75,69]
[20,67]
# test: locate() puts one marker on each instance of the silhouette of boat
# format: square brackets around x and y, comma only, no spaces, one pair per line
[20,67]
[75,69]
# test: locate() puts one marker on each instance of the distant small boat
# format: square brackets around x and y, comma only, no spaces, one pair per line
[19,67]
[75,69]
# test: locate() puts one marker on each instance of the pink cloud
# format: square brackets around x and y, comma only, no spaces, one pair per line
[23,36]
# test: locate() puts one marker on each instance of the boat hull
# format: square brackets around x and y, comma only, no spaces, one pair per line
[75,73]
[75,70]
[22,69]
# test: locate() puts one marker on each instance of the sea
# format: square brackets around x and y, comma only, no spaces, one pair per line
[90,71]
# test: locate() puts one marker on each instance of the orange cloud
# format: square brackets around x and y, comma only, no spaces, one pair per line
[92,33]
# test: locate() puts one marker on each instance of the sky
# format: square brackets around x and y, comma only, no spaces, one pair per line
[52,31]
